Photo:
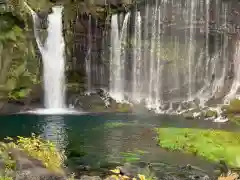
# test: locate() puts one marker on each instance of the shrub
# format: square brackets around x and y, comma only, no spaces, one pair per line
[40,149]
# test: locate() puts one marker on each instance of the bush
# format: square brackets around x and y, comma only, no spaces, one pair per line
[40,149]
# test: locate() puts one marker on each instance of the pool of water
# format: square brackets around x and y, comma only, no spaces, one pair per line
[98,139]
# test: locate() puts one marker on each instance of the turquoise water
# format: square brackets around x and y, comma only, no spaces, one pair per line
[99,139]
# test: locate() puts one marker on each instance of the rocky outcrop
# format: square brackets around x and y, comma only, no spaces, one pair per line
[27,168]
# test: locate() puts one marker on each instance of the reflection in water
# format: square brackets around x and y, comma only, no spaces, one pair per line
[54,130]
[99,139]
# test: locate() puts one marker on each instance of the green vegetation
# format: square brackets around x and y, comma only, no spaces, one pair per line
[18,62]
[213,145]
[210,113]
[232,111]
[233,107]
[6,178]
[132,156]
[234,118]
[37,148]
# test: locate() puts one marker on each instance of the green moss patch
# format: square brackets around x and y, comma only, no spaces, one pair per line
[210,113]
[132,156]
[233,107]
[234,118]
[213,145]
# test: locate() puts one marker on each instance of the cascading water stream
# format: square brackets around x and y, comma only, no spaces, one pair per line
[35,24]
[158,84]
[116,86]
[137,43]
[118,57]
[53,62]
[53,59]
[175,58]
[150,99]
[88,58]
[236,79]
[191,50]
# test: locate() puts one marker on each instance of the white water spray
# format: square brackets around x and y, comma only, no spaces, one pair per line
[150,100]
[137,84]
[117,60]
[53,60]
[54,63]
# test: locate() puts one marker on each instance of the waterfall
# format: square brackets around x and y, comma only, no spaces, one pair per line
[53,59]
[52,52]
[158,84]
[118,57]
[137,43]
[203,96]
[191,50]
[116,84]
[53,62]
[168,56]
[236,80]
[88,58]
[152,75]
[145,52]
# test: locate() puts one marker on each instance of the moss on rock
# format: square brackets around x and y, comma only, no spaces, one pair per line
[213,145]
[232,111]
[123,107]
[234,118]
[210,113]
[233,107]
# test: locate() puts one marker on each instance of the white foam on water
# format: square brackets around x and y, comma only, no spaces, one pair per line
[57,111]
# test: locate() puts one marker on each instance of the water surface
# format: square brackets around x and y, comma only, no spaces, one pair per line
[98,139]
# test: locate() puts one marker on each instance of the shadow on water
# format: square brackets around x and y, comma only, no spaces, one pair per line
[100,139]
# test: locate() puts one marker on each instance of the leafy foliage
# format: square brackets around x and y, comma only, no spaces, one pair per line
[132,156]
[214,145]
[18,65]
[44,151]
